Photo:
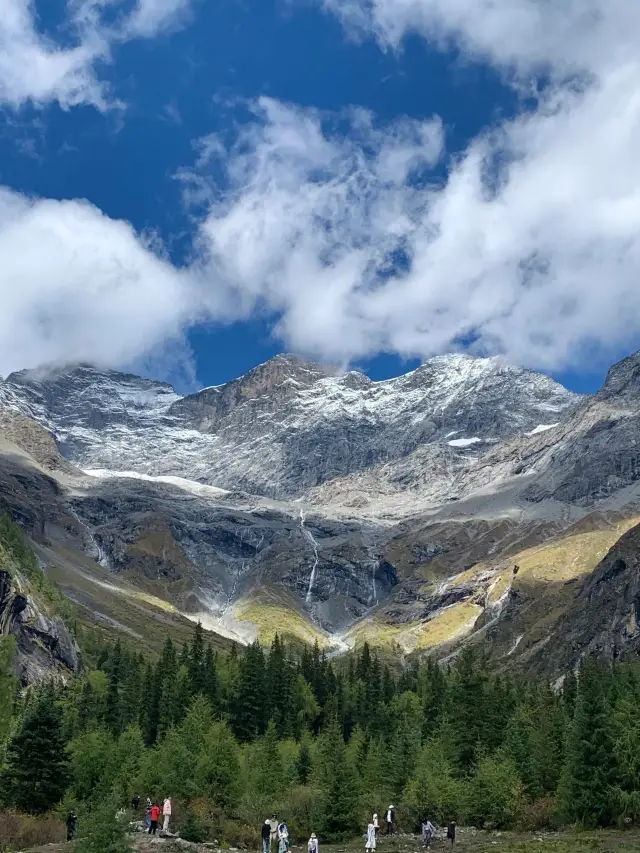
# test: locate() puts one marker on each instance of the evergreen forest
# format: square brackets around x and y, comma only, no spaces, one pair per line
[322,742]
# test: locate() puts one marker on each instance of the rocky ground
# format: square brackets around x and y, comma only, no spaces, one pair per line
[471,840]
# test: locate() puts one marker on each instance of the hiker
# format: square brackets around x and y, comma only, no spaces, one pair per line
[147,814]
[376,824]
[283,838]
[451,832]
[427,832]
[166,812]
[154,814]
[135,802]
[273,823]
[312,844]
[72,820]
[266,836]
[371,838]
[391,816]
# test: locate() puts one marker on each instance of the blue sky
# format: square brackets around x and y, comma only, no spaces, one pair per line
[135,152]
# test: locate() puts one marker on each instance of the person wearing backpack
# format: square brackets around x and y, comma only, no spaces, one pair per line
[266,836]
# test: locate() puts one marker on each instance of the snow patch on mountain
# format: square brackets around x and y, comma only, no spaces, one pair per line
[287,426]
[541,428]
[194,488]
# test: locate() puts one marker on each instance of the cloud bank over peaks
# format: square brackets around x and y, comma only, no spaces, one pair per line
[530,248]
[36,69]
[336,228]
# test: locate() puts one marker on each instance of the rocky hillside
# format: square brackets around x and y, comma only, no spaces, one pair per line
[327,506]
[31,611]
[287,425]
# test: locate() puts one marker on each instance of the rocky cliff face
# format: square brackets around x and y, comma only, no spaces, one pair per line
[393,510]
[287,425]
[44,646]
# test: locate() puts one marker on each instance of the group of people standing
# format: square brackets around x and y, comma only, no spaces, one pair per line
[152,813]
[428,830]
[274,831]
[373,828]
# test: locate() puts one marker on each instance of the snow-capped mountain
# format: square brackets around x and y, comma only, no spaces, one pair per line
[327,505]
[287,425]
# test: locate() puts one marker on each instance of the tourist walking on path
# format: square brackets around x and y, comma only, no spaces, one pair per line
[451,833]
[371,838]
[376,823]
[147,814]
[72,820]
[312,844]
[428,830]
[154,815]
[390,820]
[266,836]
[166,812]
[135,802]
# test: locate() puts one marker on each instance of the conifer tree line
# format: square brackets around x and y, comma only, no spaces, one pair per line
[235,737]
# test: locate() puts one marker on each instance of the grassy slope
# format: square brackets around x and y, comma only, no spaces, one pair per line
[115,606]
[544,571]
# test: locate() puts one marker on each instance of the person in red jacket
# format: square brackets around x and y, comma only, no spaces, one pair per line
[155,817]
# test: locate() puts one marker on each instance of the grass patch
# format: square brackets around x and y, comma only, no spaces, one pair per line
[571,556]
[448,625]
[271,620]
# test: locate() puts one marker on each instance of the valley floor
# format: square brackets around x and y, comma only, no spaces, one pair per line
[471,840]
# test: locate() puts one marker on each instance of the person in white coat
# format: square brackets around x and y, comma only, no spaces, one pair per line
[312,844]
[371,838]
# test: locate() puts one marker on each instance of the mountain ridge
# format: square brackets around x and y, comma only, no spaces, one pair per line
[353,505]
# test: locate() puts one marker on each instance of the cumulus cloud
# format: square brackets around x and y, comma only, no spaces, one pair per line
[37,69]
[334,225]
[79,286]
[537,258]
[530,248]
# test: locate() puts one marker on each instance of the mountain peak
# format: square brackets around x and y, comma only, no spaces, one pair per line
[623,379]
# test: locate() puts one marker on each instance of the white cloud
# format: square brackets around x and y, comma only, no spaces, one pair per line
[150,17]
[37,69]
[521,34]
[76,285]
[540,267]
[538,259]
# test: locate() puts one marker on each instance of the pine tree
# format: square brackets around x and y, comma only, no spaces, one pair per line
[466,708]
[337,806]
[37,769]
[586,785]
[7,684]
[218,770]
[303,764]
[195,665]
[105,832]
[432,791]
[112,716]
[267,772]
[210,678]
[249,711]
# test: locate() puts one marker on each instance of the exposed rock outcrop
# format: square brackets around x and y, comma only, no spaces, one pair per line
[44,646]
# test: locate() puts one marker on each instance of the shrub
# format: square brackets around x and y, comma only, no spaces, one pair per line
[20,831]
[538,814]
